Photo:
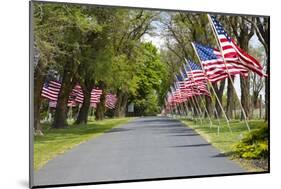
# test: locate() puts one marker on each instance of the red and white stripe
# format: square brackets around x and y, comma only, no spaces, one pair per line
[110,101]
[51,92]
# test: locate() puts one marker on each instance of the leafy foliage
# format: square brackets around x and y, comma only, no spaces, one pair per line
[253,145]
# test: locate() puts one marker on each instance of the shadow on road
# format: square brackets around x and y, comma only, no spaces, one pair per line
[118,130]
[193,145]
[184,135]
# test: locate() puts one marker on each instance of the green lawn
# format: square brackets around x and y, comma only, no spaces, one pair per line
[58,141]
[225,140]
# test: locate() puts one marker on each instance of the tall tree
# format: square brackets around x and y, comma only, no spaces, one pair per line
[262,28]
[46,23]
[230,98]
[75,23]
[95,57]
[128,31]
[182,29]
[243,32]
[219,88]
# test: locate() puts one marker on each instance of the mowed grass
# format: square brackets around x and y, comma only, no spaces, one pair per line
[225,141]
[58,141]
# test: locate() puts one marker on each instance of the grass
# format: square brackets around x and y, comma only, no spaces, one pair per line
[225,141]
[58,141]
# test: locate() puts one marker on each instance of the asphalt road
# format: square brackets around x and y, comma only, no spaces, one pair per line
[149,147]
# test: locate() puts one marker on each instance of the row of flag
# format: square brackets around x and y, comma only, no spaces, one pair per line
[215,65]
[51,91]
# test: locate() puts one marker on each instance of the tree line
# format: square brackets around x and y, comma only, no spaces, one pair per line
[180,29]
[104,47]
[97,47]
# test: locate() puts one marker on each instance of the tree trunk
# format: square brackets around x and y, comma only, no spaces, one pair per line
[118,104]
[82,117]
[209,105]
[38,85]
[245,95]
[60,118]
[219,92]
[266,96]
[230,99]
[243,40]
[99,113]
[119,108]
[255,99]
[124,103]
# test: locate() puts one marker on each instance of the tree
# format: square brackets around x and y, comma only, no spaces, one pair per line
[182,29]
[219,88]
[151,74]
[243,32]
[63,27]
[262,29]
[256,82]
[128,30]
[45,24]
[96,59]
[230,98]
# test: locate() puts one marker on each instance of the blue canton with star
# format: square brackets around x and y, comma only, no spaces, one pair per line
[220,28]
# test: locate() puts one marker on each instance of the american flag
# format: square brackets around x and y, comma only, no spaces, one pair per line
[78,94]
[197,75]
[214,66]
[188,83]
[181,87]
[110,101]
[176,93]
[193,87]
[195,71]
[51,90]
[95,97]
[231,50]
[180,81]
[170,99]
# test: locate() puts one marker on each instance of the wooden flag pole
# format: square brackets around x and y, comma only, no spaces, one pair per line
[210,84]
[198,109]
[192,77]
[230,78]
[186,107]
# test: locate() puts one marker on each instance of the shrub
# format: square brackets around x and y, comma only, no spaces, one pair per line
[254,145]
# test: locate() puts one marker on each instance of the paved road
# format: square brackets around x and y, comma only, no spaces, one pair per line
[149,147]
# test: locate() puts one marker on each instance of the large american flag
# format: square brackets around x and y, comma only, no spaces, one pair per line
[231,50]
[51,90]
[214,66]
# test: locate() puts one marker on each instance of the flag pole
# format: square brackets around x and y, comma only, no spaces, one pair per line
[195,103]
[210,84]
[186,107]
[230,78]
[199,95]
[197,107]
